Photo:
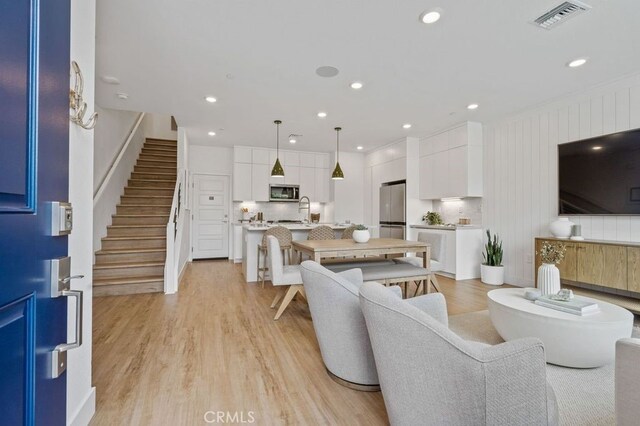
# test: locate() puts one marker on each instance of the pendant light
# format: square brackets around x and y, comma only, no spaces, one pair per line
[277,170]
[337,172]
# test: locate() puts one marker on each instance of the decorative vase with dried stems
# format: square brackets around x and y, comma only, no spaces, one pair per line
[548,273]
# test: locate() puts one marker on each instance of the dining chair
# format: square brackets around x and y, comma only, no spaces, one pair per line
[287,277]
[348,232]
[322,232]
[284,238]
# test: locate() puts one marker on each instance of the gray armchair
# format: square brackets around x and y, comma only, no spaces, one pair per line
[339,325]
[429,375]
[627,382]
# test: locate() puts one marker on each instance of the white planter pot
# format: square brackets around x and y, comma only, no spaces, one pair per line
[493,275]
[548,279]
[360,236]
[561,228]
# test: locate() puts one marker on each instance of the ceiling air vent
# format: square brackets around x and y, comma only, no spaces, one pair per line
[561,13]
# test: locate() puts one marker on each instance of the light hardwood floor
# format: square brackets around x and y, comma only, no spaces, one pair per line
[166,360]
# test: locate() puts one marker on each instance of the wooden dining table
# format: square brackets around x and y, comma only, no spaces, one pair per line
[317,250]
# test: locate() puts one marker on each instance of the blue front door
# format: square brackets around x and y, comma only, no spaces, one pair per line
[34,155]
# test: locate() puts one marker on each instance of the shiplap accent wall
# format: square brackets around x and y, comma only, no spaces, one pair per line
[520,170]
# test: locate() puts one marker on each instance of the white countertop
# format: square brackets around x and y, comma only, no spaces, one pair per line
[445,228]
[291,226]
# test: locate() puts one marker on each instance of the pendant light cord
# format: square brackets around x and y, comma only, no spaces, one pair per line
[337,129]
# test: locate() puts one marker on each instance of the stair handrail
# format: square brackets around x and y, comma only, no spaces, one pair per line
[174,234]
[114,164]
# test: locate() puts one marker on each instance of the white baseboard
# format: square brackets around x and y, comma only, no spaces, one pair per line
[85,413]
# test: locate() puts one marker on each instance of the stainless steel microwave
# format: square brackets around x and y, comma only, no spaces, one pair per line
[284,193]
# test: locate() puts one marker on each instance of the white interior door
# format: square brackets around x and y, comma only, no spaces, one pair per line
[210,216]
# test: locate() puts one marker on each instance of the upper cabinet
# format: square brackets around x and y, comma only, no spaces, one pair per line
[451,163]
[252,173]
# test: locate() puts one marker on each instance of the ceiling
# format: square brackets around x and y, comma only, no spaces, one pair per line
[258,58]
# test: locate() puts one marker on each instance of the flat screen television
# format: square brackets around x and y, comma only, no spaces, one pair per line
[600,176]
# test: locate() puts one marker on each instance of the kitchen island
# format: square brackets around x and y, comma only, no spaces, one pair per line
[463,248]
[252,236]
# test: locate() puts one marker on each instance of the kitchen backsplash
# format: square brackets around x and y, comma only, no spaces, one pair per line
[278,211]
[451,211]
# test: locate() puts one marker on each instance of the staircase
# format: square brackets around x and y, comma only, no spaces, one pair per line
[132,256]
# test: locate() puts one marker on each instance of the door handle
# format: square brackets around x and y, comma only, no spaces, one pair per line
[61,287]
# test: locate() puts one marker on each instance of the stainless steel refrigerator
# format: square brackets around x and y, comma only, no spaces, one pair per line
[392,210]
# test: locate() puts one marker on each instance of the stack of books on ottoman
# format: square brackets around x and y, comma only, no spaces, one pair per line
[576,305]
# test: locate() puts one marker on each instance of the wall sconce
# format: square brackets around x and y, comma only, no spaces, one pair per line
[77,105]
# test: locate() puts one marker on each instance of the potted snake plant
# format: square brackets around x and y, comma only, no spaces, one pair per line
[491,270]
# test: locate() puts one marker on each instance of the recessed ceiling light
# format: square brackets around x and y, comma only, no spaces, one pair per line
[596,148]
[211,133]
[406,126]
[356,85]
[293,140]
[210,99]
[359,148]
[472,106]
[122,96]
[322,114]
[430,17]
[577,63]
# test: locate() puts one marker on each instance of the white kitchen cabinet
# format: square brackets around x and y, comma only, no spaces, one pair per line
[308,182]
[291,158]
[307,159]
[252,173]
[322,177]
[242,182]
[451,163]
[259,182]
[237,243]
[292,175]
[322,161]
[242,154]
[260,156]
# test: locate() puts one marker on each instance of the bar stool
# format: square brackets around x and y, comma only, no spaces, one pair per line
[284,237]
[322,232]
[347,234]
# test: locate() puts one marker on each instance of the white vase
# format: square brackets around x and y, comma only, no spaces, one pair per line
[361,236]
[561,228]
[548,279]
[492,275]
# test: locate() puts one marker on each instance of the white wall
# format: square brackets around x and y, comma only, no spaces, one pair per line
[348,194]
[81,397]
[108,195]
[520,169]
[111,133]
[211,159]
[158,126]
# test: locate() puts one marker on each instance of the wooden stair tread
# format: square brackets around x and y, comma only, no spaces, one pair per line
[144,205]
[137,226]
[152,180]
[161,140]
[126,251]
[135,238]
[122,281]
[140,215]
[126,265]
[148,196]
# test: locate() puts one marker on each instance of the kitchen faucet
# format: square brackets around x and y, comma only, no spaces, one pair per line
[305,205]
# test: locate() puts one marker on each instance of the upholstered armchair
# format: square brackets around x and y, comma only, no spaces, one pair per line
[430,376]
[339,324]
[627,382]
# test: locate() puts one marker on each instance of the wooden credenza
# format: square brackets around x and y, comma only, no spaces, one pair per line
[609,264]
